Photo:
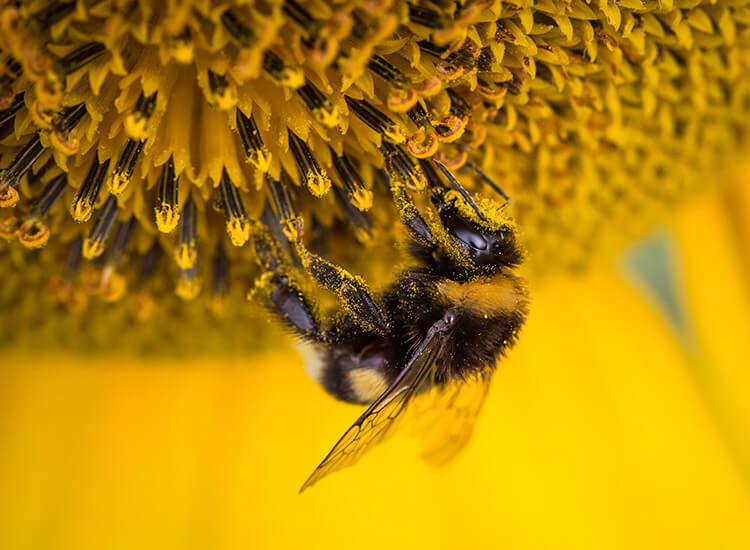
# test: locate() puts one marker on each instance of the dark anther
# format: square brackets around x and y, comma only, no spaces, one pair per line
[241,33]
[78,58]
[47,199]
[380,66]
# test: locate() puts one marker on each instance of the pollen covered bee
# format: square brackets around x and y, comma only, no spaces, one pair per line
[427,342]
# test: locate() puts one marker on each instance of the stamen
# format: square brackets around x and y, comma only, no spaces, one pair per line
[223,95]
[429,87]
[93,246]
[186,254]
[73,260]
[450,128]
[402,168]
[282,200]
[485,59]
[359,220]
[238,226]
[9,227]
[463,58]
[241,33]
[112,285]
[11,70]
[9,112]
[487,180]
[376,120]
[357,193]
[426,17]
[255,151]
[315,178]
[286,214]
[33,233]
[78,58]
[432,48]
[62,125]
[400,101]
[432,177]
[455,162]
[459,106]
[181,46]
[283,73]
[269,219]
[167,209]
[461,189]
[120,242]
[320,105]
[125,167]
[83,204]
[50,15]
[20,164]
[488,92]
[149,262]
[188,284]
[303,18]
[418,114]
[47,199]
[466,58]
[423,143]
[136,123]
[219,278]
[381,67]
[145,303]
[359,25]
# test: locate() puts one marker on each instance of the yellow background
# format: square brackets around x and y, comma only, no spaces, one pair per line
[601,431]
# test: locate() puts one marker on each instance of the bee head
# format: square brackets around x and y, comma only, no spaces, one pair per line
[485,238]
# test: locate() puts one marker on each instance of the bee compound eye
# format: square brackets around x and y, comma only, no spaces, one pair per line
[468,235]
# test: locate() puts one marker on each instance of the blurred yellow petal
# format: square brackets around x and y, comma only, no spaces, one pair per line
[714,246]
[601,431]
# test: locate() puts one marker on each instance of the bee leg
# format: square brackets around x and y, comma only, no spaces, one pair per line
[282,294]
[288,302]
[415,224]
[351,290]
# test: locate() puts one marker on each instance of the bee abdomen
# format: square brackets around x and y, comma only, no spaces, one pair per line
[356,376]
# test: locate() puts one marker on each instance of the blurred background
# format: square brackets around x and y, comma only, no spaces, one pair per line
[621,420]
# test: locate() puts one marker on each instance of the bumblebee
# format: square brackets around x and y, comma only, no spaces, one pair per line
[429,341]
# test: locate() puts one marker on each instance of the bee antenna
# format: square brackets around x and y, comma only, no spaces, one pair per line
[460,188]
[488,181]
[429,171]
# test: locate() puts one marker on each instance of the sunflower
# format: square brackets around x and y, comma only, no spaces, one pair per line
[142,145]
[143,141]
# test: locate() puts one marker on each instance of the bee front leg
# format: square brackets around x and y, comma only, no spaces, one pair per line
[286,299]
[351,290]
[278,288]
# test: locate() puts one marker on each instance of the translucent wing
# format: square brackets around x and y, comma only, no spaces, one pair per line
[448,415]
[384,415]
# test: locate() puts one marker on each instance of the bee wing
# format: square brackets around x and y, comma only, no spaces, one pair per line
[448,416]
[385,414]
